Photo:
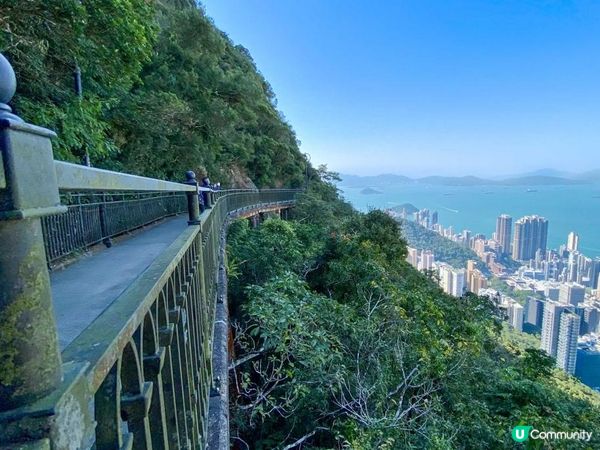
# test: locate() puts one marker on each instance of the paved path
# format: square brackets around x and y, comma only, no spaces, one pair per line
[85,288]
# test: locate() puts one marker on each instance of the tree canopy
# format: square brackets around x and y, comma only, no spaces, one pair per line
[340,343]
[164,91]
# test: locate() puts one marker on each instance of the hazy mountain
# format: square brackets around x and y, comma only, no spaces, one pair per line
[375,180]
[542,173]
[455,181]
[591,176]
[539,180]
[380,181]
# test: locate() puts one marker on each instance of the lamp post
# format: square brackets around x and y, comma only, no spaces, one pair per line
[78,87]
[306,165]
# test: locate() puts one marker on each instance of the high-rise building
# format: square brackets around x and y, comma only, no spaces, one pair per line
[480,247]
[427,260]
[595,273]
[571,294]
[471,265]
[590,318]
[474,278]
[572,266]
[551,292]
[422,217]
[434,218]
[413,257]
[534,312]
[445,274]
[458,283]
[503,232]
[573,242]
[466,237]
[476,281]
[551,326]
[566,352]
[530,235]
[515,316]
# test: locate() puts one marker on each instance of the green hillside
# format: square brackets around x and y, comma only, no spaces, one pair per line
[164,91]
[339,343]
[445,250]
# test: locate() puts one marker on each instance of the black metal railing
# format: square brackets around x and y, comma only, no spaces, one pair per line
[94,218]
[149,354]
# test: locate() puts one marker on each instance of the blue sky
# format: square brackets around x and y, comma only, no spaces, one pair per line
[421,87]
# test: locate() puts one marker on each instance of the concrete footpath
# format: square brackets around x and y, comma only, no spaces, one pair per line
[84,289]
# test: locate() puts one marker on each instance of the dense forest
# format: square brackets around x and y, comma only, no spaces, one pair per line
[445,250]
[339,343]
[164,91]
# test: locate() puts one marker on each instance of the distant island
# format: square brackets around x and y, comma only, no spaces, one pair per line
[536,179]
[370,191]
[406,208]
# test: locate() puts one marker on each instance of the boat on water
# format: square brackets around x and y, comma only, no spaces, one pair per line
[589,343]
[531,190]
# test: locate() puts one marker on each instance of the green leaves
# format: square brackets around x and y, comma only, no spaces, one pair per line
[164,90]
[371,352]
[110,40]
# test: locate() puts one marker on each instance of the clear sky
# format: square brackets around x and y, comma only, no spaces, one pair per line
[422,87]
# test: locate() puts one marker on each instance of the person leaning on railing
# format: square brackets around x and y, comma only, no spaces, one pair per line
[205,184]
[201,201]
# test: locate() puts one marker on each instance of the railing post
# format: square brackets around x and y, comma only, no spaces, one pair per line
[192,199]
[31,364]
[103,228]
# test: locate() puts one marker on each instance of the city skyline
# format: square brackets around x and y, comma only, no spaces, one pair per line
[553,293]
[455,84]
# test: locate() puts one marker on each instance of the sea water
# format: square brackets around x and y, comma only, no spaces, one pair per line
[475,208]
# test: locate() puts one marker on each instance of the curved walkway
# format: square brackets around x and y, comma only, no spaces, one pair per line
[84,289]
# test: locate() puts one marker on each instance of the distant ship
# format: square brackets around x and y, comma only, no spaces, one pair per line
[589,343]
[531,190]
[451,210]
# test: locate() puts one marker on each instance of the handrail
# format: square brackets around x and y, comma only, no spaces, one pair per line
[75,177]
[161,327]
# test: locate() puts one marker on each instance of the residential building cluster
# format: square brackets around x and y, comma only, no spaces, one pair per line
[562,286]
[453,281]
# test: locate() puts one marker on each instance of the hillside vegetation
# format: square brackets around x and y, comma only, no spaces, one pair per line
[445,250]
[164,90]
[339,343]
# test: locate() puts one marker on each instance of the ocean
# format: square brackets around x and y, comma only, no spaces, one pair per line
[587,368]
[567,208]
